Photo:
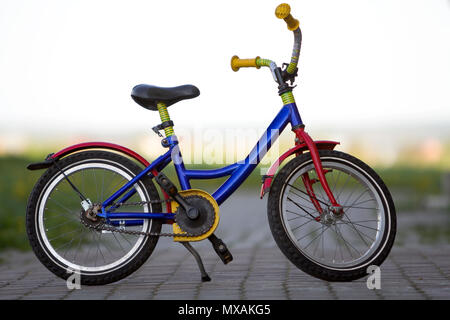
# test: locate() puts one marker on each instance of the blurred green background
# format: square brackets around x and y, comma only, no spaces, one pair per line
[417,189]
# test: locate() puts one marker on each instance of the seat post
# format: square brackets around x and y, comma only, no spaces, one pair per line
[164,115]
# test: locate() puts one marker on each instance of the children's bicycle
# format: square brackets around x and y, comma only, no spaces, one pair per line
[98,212]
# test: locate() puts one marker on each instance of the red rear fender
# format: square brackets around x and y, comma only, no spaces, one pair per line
[99,145]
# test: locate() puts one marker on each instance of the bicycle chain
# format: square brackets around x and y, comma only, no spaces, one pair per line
[105,227]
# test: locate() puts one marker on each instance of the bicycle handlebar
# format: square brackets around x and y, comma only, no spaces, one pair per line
[237,63]
[283,11]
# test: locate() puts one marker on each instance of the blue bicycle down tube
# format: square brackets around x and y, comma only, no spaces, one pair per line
[258,152]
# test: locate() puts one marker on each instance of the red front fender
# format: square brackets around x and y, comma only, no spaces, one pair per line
[267,179]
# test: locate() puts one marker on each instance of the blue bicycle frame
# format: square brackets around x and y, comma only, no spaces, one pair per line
[238,171]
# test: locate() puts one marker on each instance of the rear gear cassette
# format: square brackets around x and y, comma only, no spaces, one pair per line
[205,220]
[92,223]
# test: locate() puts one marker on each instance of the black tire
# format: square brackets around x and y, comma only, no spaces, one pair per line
[288,246]
[141,252]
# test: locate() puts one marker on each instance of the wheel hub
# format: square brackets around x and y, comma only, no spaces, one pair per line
[329,216]
[89,217]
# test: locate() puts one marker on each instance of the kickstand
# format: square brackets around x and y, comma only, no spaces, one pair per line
[197,257]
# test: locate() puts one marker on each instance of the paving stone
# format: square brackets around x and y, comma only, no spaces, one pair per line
[256,273]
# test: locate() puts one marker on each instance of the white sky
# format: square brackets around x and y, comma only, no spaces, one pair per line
[70,65]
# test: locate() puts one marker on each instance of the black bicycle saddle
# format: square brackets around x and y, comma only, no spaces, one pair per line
[148,96]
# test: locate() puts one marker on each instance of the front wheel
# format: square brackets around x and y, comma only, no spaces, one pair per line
[326,245]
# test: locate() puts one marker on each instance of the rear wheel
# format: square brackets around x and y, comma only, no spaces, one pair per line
[329,246]
[58,235]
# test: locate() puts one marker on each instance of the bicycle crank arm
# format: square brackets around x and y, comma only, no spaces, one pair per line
[170,188]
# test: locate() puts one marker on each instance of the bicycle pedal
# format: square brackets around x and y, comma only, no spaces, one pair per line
[221,249]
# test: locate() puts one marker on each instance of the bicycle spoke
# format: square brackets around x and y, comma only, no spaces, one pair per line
[61,224]
[116,185]
[89,247]
[306,194]
[62,235]
[359,234]
[98,247]
[364,208]
[300,215]
[318,243]
[336,179]
[68,242]
[62,206]
[70,216]
[307,200]
[78,246]
[303,224]
[96,186]
[371,220]
[343,187]
[103,184]
[108,248]
[126,239]
[320,187]
[337,242]
[309,233]
[357,198]
[120,245]
[358,231]
[301,207]
[323,230]
[70,192]
[361,225]
[346,243]
[355,204]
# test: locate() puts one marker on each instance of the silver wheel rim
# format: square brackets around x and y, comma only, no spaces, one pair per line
[347,243]
[102,245]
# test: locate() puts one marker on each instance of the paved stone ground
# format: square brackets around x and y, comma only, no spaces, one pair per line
[256,273]
[259,270]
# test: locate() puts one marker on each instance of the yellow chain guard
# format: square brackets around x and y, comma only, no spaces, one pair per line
[204,194]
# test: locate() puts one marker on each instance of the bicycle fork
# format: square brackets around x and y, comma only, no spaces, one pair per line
[303,137]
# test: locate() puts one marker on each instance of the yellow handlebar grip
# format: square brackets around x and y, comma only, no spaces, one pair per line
[237,63]
[283,11]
